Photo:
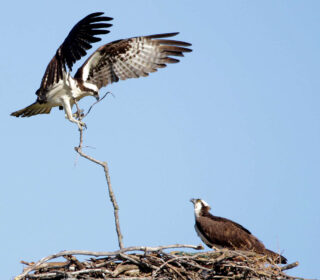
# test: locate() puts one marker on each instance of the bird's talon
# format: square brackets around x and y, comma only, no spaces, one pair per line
[78,114]
[81,125]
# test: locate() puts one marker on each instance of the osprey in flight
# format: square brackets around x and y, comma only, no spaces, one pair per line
[122,59]
[223,233]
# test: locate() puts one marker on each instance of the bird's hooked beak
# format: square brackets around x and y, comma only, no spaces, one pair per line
[193,200]
[96,95]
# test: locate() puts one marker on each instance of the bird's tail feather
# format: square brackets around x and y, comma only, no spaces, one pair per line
[277,258]
[33,109]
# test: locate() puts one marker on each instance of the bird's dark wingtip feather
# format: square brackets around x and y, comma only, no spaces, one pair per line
[107,18]
[96,17]
[284,260]
[95,14]
[173,34]
[162,35]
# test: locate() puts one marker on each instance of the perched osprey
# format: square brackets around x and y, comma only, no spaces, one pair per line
[223,233]
[129,58]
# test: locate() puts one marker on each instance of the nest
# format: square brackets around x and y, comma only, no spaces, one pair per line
[153,263]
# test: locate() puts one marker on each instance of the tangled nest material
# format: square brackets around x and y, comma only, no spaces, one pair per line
[154,263]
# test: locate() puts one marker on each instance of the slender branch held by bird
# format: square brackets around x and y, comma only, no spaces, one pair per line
[104,164]
[96,103]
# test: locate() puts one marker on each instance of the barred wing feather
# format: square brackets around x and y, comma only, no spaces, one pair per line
[131,58]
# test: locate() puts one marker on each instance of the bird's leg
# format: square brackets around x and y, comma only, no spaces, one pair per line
[78,114]
[215,248]
[219,248]
[69,116]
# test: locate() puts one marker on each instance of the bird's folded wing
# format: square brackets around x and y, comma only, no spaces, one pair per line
[225,233]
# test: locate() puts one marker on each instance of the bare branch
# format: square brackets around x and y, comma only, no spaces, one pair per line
[154,263]
[106,172]
[95,103]
[172,259]
[103,254]
[289,266]
[75,273]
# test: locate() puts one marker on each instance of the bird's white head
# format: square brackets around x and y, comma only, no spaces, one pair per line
[199,204]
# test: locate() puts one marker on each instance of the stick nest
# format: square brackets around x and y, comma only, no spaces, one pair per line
[157,264]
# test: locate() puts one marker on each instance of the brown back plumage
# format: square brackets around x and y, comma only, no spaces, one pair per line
[222,232]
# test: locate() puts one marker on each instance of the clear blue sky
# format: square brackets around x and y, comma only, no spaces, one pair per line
[236,123]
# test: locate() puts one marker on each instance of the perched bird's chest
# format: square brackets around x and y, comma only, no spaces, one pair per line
[210,243]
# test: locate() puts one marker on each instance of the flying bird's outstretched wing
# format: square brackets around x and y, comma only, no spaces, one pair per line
[130,58]
[119,60]
[80,38]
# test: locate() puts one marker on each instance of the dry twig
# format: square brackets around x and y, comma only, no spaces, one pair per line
[105,167]
[38,265]
[153,263]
